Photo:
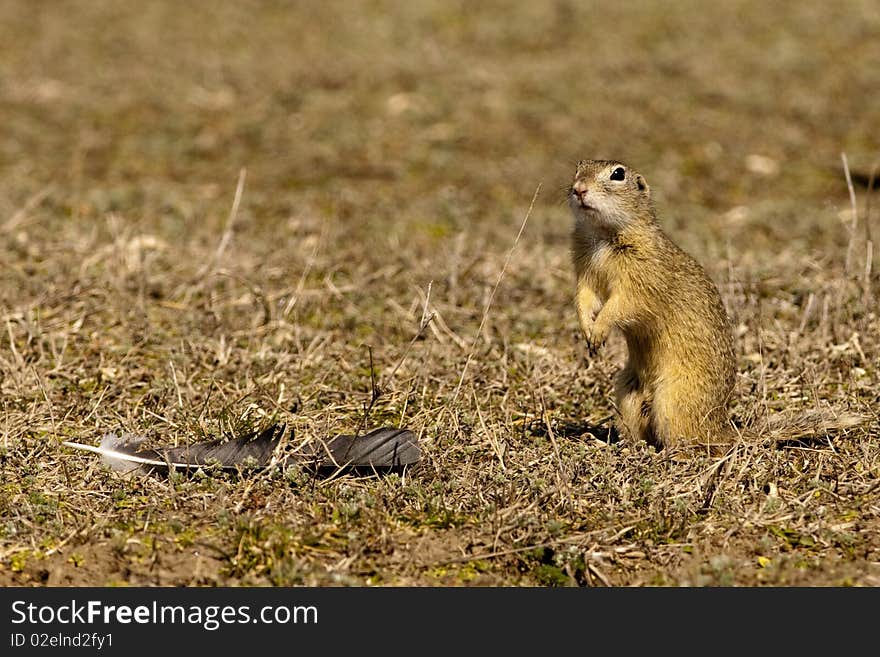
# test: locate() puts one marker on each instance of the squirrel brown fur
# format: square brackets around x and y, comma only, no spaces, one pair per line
[679,377]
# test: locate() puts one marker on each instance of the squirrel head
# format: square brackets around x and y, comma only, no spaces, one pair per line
[610,194]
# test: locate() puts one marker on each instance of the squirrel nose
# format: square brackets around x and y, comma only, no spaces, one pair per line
[579,188]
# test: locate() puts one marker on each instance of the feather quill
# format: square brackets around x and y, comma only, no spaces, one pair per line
[382,450]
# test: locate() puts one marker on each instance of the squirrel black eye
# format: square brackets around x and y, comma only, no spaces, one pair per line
[618,174]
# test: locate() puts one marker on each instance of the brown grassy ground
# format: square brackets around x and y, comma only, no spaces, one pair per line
[390,147]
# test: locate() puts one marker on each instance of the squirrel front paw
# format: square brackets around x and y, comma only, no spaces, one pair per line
[595,340]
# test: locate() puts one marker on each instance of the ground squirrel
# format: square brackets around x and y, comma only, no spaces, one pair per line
[679,377]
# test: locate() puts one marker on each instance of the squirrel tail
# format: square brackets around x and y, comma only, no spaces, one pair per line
[788,429]
[819,423]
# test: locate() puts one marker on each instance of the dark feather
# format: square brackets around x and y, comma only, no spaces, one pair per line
[383,449]
[252,451]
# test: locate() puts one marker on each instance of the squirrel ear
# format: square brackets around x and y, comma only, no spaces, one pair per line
[642,184]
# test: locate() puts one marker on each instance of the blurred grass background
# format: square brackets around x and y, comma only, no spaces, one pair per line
[388,145]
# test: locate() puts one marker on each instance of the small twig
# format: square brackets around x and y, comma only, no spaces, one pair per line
[227,231]
[300,286]
[176,384]
[424,322]
[256,292]
[376,390]
[490,436]
[19,361]
[6,416]
[808,309]
[872,181]
[545,416]
[869,243]
[375,393]
[763,376]
[855,215]
[602,578]
[16,219]
[46,397]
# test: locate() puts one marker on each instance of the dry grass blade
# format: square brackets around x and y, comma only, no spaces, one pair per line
[488,307]
[210,266]
[16,220]
[855,215]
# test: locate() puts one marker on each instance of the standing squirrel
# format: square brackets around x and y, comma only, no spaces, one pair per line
[676,385]
[679,378]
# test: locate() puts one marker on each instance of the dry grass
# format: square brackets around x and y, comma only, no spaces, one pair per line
[392,149]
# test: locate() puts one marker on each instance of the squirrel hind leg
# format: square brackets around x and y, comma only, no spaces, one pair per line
[634,407]
[709,436]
